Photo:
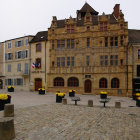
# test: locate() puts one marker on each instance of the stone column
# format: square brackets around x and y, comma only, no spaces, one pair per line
[7,130]
[9,110]
[64,101]
[90,103]
[117,104]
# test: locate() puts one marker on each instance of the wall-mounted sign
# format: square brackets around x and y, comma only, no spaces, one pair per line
[38,71]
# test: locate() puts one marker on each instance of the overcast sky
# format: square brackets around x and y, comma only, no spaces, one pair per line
[27,17]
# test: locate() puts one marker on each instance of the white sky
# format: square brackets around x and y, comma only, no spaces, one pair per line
[27,17]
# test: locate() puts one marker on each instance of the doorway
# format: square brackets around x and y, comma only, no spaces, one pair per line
[38,84]
[88,86]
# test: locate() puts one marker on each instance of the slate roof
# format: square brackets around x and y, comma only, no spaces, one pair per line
[40,36]
[88,8]
[134,36]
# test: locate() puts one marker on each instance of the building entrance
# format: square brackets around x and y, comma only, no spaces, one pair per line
[88,86]
[38,84]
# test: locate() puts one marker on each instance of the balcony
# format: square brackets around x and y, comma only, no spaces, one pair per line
[25,73]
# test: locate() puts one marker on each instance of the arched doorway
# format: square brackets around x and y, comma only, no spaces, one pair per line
[88,86]
[1,84]
[38,84]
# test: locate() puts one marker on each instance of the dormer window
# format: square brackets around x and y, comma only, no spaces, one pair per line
[70,28]
[103,26]
[88,28]
[87,19]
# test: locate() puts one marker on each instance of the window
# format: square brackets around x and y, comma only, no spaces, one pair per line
[58,61]
[70,43]
[19,82]
[87,19]
[19,67]
[87,76]
[63,61]
[68,61]
[61,44]
[26,42]
[19,54]
[138,54]
[115,83]
[121,26]
[26,68]
[26,53]
[103,26]
[10,82]
[121,40]
[88,42]
[9,45]
[114,60]
[9,56]
[72,61]
[59,82]
[38,63]
[138,70]
[70,29]
[106,41]
[88,28]
[52,44]
[116,41]
[9,67]
[88,60]
[121,61]
[111,41]
[19,43]
[104,60]
[73,82]
[103,83]
[38,47]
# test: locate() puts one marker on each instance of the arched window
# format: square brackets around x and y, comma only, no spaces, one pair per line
[103,83]
[115,83]
[73,82]
[58,82]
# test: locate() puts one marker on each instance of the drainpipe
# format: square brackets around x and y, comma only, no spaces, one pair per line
[45,65]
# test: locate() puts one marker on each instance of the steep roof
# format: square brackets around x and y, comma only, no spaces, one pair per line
[134,36]
[40,36]
[88,8]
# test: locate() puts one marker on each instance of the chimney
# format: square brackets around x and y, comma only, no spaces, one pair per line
[116,10]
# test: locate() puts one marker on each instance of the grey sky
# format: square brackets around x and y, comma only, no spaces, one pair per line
[27,17]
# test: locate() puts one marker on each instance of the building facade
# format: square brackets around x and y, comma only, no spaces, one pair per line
[88,53]
[17,62]
[2,64]
[39,61]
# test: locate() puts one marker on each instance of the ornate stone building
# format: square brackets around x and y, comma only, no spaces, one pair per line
[88,53]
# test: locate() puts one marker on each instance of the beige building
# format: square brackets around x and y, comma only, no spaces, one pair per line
[89,53]
[39,61]
[2,64]
[17,62]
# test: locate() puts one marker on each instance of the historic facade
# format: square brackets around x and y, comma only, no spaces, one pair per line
[88,53]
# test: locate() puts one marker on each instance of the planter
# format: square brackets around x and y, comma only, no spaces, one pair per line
[103,95]
[41,91]
[3,102]
[138,102]
[11,89]
[59,97]
[71,93]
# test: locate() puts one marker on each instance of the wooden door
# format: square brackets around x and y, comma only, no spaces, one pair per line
[38,84]
[88,86]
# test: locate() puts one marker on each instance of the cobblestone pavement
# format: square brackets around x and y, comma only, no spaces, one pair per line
[47,120]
